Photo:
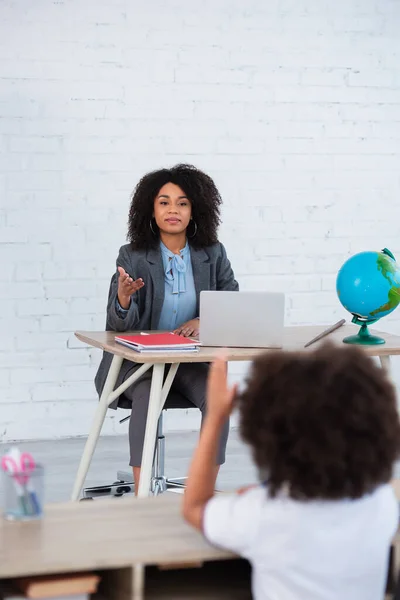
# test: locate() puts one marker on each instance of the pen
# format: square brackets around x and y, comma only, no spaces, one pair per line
[35,508]
[326,332]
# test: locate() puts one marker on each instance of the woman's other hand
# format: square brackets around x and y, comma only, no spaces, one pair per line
[189,329]
[126,287]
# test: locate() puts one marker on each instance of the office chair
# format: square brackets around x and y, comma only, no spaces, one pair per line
[124,483]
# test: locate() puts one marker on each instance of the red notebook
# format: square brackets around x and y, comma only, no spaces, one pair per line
[158,342]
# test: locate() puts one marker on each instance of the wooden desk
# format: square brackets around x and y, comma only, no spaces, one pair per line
[294,339]
[111,536]
[116,535]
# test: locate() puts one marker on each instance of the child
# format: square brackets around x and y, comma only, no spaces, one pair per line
[324,428]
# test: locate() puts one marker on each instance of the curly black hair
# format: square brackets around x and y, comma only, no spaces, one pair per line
[322,424]
[200,190]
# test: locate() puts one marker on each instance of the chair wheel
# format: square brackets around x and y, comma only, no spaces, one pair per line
[84,499]
[122,489]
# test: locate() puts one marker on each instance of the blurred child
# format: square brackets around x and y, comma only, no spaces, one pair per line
[324,428]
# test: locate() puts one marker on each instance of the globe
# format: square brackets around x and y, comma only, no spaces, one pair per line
[368,286]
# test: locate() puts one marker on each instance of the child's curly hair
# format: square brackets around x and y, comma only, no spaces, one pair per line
[200,189]
[323,423]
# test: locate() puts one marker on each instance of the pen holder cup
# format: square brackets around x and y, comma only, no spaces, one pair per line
[23,494]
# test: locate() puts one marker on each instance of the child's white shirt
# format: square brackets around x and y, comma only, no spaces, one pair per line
[315,550]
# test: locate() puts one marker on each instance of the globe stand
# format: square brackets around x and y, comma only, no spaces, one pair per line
[363,337]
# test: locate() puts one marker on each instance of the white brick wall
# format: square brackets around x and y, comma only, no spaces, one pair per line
[292,106]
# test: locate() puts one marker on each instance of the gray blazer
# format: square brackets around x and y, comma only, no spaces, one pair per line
[211,271]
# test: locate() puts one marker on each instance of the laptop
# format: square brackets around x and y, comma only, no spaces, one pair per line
[242,319]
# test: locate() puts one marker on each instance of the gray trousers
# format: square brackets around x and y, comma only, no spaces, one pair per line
[191,381]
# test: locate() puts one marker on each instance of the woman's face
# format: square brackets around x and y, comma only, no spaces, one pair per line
[172,209]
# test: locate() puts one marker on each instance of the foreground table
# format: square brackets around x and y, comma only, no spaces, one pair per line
[142,549]
[294,339]
[112,537]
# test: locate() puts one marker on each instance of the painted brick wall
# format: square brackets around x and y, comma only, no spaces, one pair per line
[293,106]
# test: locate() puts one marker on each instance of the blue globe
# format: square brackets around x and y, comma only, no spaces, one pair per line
[368,285]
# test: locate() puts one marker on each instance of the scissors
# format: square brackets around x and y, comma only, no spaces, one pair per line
[20,469]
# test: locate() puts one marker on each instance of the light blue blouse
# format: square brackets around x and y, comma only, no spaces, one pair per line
[180,294]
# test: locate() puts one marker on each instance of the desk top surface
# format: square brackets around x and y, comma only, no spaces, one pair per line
[100,534]
[294,339]
[117,532]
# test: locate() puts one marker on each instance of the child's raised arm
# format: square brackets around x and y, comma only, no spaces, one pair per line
[203,470]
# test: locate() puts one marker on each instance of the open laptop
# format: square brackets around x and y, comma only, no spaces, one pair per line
[242,319]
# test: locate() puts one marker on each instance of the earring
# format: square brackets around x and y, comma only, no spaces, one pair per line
[195,229]
[151,226]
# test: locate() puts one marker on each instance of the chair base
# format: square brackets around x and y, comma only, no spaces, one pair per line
[177,482]
[125,485]
[118,488]
[159,485]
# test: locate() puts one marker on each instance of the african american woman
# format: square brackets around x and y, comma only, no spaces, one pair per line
[173,255]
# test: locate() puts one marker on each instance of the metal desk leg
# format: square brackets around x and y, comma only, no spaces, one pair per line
[385,362]
[151,428]
[96,426]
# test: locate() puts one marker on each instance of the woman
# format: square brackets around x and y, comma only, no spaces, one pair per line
[173,255]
